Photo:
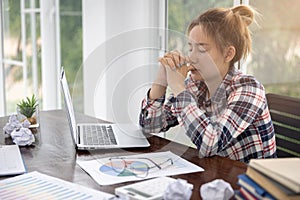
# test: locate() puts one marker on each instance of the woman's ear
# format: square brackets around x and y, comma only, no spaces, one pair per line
[229,53]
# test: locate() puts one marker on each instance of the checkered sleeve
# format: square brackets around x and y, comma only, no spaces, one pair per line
[214,135]
[155,116]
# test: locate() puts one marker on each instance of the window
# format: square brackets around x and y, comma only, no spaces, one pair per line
[71,47]
[20,50]
[22,46]
[276,47]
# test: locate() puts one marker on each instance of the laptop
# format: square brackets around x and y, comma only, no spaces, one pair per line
[87,136]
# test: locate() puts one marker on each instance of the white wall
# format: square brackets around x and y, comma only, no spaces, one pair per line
[121,47]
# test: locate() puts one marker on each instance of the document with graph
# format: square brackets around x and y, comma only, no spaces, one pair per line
[113,170]
[35,185]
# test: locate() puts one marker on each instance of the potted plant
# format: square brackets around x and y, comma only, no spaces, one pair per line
[28,108]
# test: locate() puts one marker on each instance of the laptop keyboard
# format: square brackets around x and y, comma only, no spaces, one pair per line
[98,135]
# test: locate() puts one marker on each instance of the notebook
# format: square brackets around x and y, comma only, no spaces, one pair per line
[283,170]
[88,136]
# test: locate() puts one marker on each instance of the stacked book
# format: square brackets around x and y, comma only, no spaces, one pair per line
[277,178]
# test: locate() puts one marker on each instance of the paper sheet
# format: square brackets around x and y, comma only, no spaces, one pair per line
[101,170]
[35,185]
[11,161]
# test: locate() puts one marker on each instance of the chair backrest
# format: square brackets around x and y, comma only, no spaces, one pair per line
[285,114]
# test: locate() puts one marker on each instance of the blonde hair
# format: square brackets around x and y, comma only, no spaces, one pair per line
[228,27]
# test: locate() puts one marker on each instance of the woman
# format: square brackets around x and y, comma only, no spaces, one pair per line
[222,110]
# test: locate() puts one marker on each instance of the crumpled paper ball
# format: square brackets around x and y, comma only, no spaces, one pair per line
[178,190]
[26,123]
[19,131]
[216,190]
[12,124]
[22,137]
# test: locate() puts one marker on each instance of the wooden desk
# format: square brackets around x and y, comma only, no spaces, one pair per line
[55,155]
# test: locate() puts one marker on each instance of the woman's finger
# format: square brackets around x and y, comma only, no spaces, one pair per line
[167,62]
[177,58]
[163,61]
[174,59]
[170,63]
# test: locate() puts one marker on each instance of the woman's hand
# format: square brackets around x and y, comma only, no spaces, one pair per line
[160,84]
[177,67]
[176,61]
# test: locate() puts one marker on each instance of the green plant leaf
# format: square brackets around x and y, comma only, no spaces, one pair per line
[27,106]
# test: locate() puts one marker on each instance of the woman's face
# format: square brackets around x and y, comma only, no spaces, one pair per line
[207,60]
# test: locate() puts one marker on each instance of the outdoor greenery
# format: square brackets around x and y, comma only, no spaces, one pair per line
[71,37]
[70,29]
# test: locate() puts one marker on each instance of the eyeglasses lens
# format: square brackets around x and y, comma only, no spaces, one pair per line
[134,167]
[138,168]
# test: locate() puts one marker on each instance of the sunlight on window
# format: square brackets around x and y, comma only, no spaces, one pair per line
[276,45]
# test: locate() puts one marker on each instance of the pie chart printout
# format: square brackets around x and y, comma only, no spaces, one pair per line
[116,168]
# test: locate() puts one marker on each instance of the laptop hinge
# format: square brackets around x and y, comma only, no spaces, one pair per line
[78,136]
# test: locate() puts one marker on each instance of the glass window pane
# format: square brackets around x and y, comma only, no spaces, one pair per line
[12,30]
[12,50]
[33,55]
[13,86]
[71,47]
[71,36]
[276,46]
[29,3]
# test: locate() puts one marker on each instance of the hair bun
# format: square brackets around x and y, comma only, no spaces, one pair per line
[245,12]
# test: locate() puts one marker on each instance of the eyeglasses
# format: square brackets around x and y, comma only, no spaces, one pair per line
[136,166]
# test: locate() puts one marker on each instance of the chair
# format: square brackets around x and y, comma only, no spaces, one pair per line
[285,114]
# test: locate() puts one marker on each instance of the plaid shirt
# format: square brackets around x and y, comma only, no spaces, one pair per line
[234,123]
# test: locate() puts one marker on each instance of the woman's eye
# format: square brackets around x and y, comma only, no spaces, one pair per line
[202,50]
[190,47]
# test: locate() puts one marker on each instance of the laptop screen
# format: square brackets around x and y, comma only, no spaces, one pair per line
[69,105]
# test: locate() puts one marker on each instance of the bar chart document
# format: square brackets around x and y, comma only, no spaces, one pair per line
[35,185]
